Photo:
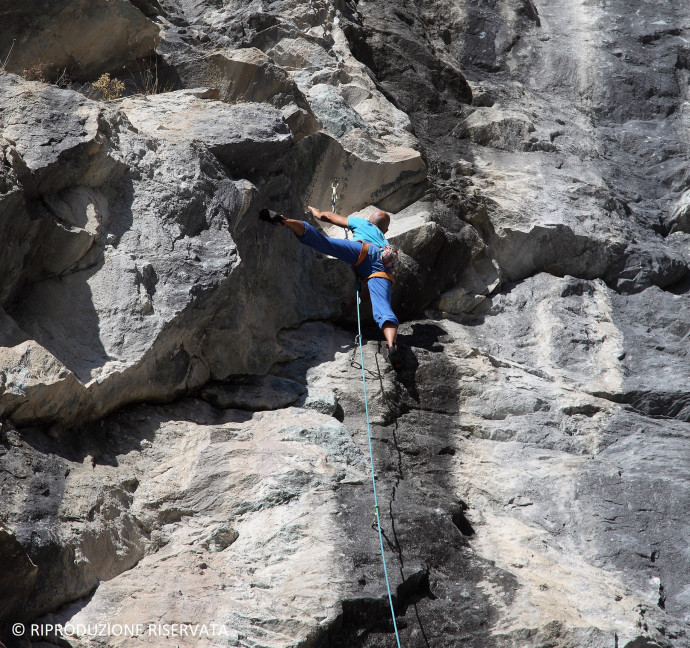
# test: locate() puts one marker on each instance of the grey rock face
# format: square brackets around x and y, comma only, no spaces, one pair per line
[66,568]
[19,578]
[85,38]
[267,393]
[16,229]
[245,137]
[42,162]
[531,455]
[98,277]
[249,75]
[557,162]
[368,171]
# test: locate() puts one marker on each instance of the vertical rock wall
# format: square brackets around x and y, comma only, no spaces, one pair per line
[183,436]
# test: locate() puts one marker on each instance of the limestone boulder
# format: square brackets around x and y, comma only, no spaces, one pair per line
[56,138]
[368,171]
[389,122]
[603,246]
[275,477]
[411,230]
[244,136]
[16,229]
[31,378]
[445,258]
[249,75]
[18,581]
[313,48]
[102,228]
[334,113]
[302,52]
[500,129]
[245,75]
[71,357]
[321,400]
[679,220]
[85,38]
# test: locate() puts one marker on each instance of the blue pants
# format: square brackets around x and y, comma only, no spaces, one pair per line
[380,289]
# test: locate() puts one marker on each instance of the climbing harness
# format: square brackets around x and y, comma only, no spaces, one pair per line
[363,255]
[373,475]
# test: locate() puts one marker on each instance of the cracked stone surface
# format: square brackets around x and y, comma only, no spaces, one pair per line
[183,434]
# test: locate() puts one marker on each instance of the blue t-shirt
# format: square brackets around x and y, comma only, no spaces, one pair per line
[363,230]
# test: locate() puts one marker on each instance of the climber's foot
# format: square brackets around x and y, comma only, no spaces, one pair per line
[394,356]
[271,217]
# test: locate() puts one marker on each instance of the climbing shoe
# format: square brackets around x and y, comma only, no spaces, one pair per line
[271,217]
[394,356]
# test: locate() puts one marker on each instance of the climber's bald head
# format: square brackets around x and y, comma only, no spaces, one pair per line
[381,219]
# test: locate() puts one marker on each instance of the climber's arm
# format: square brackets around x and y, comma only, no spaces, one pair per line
[329,217]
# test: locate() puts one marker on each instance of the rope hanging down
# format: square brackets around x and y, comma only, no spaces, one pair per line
[373,476]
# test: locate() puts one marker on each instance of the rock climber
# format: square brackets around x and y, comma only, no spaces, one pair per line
[369,253]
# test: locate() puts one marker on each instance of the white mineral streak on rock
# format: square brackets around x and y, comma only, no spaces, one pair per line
[551,549]
[29,372]
[591,326]
[572,51]
[556,578]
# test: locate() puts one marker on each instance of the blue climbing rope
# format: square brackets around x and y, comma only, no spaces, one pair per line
[373,475]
